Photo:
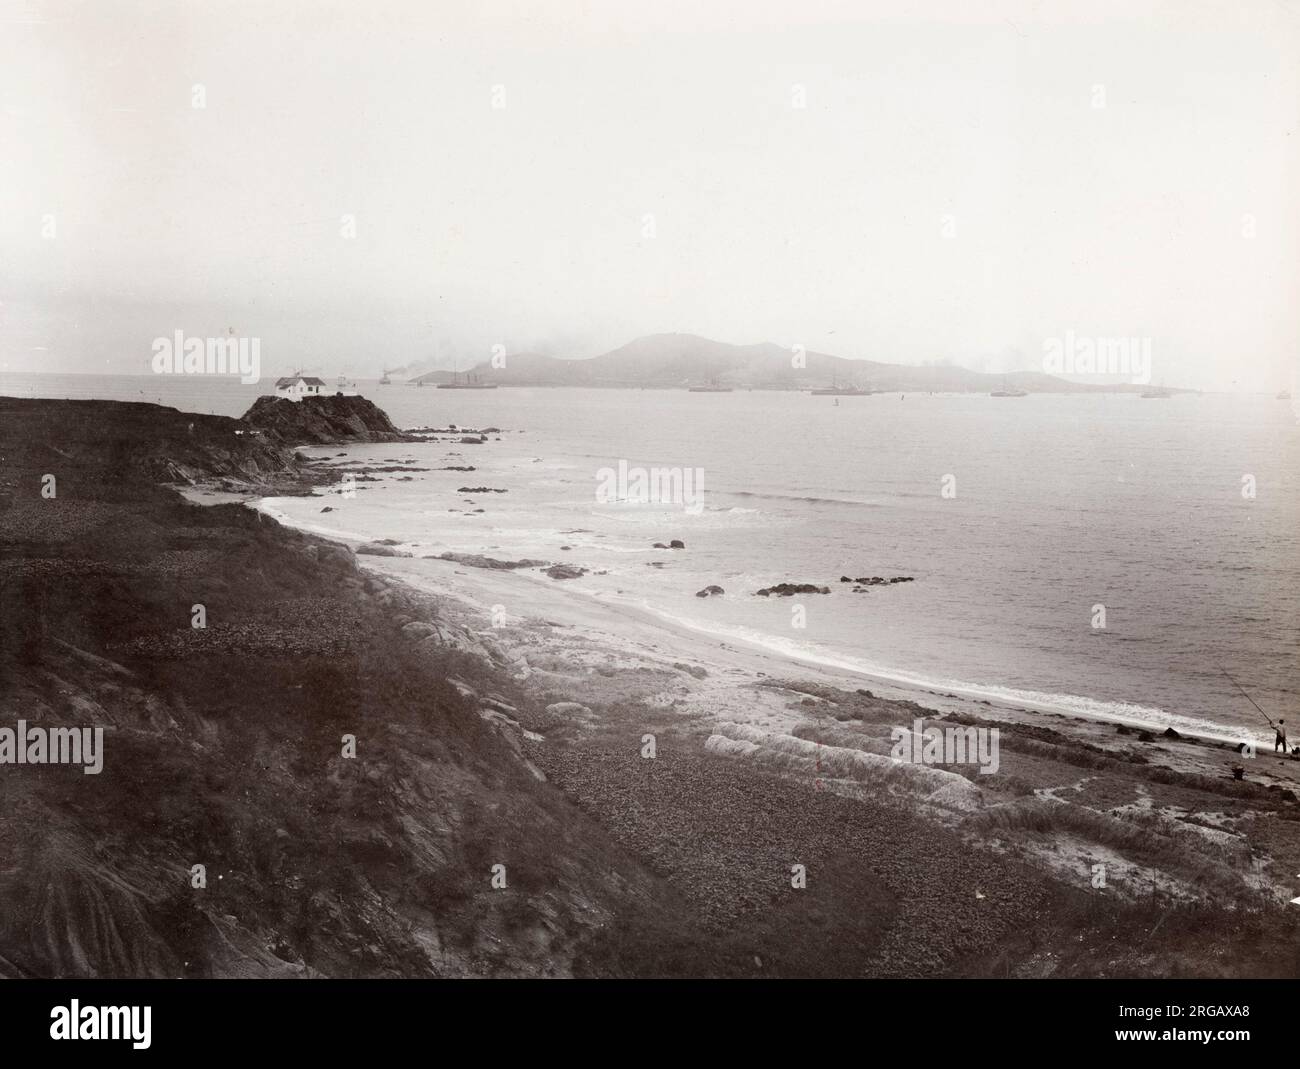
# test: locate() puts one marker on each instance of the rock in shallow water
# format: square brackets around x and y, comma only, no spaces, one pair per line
[565,571]
[785,590]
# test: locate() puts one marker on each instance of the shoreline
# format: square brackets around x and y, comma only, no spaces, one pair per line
[755,654]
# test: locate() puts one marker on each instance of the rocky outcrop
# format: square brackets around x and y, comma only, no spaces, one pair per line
[322,420]
[785,590]
[709,591]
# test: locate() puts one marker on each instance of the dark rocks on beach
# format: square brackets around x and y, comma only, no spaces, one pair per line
[676,543]
[785,590]
[328,508]
[474,441]
[477,560]
[709,591]
[565,571]
[479,490]
[1170,733]
[377,549]
[877,580]
[1146,736]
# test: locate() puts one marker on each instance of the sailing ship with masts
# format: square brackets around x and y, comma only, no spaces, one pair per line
[470,382]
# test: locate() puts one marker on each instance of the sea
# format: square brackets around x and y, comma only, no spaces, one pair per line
[1107,555]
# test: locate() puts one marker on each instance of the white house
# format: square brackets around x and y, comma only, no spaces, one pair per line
[296,387]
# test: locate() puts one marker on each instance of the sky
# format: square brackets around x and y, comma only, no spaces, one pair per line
[380,184]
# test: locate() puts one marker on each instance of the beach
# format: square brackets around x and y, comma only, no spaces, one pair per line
[415,766]
[1147,814]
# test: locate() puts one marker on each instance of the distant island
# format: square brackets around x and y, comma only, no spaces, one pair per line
[684,361]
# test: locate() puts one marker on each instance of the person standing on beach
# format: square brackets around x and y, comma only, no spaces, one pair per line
[1280,741]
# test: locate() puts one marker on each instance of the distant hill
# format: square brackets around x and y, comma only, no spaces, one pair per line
[665,361]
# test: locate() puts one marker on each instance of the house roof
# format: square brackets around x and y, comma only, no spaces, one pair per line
[289,380]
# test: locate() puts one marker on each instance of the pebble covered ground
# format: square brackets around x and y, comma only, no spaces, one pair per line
[888,893]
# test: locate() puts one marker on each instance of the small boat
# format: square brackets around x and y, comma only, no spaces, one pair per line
[385,381]
[1158,392]
[1285,395]
[712,387]
[1013,392]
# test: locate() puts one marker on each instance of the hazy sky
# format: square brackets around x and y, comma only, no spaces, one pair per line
[965,181]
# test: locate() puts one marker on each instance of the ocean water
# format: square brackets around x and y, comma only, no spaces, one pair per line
[1062,506]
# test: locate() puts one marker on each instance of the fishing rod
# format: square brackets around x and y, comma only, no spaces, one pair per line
[1248,697]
